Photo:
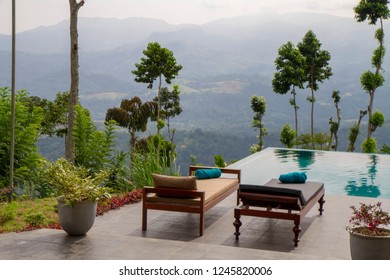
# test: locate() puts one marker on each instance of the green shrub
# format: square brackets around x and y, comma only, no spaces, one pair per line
[35,219]
[287,136]
[119,173]
[369,145]
[8,211]
[219,161]
[156,160]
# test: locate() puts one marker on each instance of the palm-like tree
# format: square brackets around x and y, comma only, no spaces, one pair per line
[133,115]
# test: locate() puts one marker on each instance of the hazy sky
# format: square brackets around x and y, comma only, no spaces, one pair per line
[34,13]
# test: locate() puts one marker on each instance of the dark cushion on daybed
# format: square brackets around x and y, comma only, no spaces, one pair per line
[305,192]
[273,191]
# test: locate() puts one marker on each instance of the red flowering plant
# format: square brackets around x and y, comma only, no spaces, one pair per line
[369,219]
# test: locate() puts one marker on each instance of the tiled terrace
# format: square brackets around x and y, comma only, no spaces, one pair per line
[118,235]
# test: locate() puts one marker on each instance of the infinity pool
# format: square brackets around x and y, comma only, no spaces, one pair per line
[354,174]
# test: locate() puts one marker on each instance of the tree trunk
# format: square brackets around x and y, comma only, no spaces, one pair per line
[158,105]
[74,79]
[370,128]
[295,115]
[312,119]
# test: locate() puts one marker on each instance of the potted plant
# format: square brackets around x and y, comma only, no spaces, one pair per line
[369,239]
[77,193]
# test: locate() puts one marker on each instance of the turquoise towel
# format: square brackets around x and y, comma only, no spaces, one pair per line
[208,173]
[293,177]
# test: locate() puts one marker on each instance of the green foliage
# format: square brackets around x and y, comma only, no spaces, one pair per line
[119,173]
[8,211]
[385,149]
[335,125]
[27,161]
[320,141]
[157,62]
[4,193]
[317,68]
[369,145]
[289,66]
[353,134]
[35,219]
[372,10]
[371,81]
[170,102]
[93,147]
[336,97]
[287,136]
[170,107]
[165,148]
[160,124]
[255,148]
[155,159]
[377,120]
[73,183]
[133,115]
[55,121]
[219,161]
[378,55]
[259,106]
[193,160]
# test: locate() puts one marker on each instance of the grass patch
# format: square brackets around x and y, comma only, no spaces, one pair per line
[22,215]
[24,212]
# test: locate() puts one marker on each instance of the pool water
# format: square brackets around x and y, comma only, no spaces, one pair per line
[343,173]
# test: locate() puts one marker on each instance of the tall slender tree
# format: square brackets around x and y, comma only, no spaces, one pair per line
[354,131]
[158,62]
[74,6]
[373,11]
[258,106]
[317,69]
[335,125]
[170,107]
[290,75]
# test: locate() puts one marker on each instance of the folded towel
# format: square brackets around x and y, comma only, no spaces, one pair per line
[208,173]
[293,177]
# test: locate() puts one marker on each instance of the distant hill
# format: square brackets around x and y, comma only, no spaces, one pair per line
[225,63]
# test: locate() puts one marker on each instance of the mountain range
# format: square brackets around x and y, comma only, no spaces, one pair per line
[225,62]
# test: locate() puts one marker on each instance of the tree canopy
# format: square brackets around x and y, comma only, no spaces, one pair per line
[158,62]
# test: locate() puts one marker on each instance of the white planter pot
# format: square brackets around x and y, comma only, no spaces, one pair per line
[77,219]
[365,247]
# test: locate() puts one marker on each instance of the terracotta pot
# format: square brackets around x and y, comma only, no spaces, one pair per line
[364,247]
[77,219]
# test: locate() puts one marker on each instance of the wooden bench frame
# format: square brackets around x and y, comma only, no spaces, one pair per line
[285,208]
[199,208]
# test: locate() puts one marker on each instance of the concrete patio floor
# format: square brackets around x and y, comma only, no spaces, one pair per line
[174,236]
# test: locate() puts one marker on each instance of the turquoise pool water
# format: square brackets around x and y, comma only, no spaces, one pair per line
[354,174]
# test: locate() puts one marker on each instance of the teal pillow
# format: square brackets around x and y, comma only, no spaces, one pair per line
[208,173]
[293,177]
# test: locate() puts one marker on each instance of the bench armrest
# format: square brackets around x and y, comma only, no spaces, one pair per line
[224,170]
[171,192]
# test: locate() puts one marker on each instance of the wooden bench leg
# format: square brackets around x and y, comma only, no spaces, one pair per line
[321,202]
[144,218]
[237,223]
[297,229]
[201,223]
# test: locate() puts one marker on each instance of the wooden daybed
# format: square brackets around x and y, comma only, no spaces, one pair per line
[207,194]
[279,201]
